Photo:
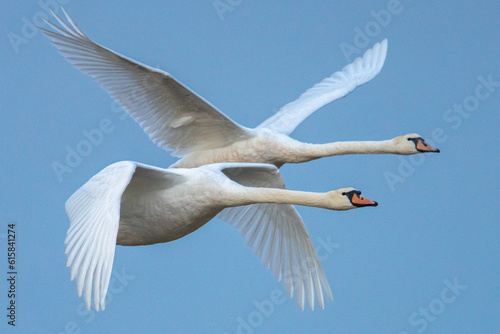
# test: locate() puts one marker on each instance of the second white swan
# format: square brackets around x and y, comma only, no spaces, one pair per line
[129,203]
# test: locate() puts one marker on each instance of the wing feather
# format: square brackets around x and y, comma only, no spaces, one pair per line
[173,116]
[276,234]
[94,215]
[338,85]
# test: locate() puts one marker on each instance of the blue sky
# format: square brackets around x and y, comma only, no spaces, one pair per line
[424,261]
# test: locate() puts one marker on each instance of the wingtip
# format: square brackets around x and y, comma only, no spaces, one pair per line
[72,274]
[384,44]
[102,303]
[53,14]
[64,11]
[300,303]
[43,29]
[300,306]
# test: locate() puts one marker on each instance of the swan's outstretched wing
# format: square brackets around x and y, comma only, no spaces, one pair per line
[338,85]
[277,235]
[173,116]
[94,214]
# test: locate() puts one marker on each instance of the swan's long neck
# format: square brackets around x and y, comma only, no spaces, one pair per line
[248,195]
[307,152]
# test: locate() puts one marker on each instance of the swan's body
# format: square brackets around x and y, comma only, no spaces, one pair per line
[131,204]
[176,118]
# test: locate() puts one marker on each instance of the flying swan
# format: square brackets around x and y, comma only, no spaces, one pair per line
[131,204]
[176,118]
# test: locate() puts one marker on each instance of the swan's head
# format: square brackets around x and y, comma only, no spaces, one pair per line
[349,198]
[413,144]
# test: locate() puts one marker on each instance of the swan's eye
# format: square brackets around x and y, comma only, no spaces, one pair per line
[343,194]
[409,139]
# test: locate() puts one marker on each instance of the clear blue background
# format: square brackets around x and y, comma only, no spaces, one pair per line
[440,224]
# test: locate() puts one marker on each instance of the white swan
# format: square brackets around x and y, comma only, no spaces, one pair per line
[128,203]
[176,118]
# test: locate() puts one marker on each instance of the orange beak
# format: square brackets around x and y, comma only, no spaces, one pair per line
[359,200]
[422,146]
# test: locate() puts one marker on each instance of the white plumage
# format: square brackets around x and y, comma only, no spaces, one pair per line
[176,118]
[129,203]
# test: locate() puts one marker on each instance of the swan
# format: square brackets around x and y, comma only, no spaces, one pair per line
[176,118]
[129,203]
